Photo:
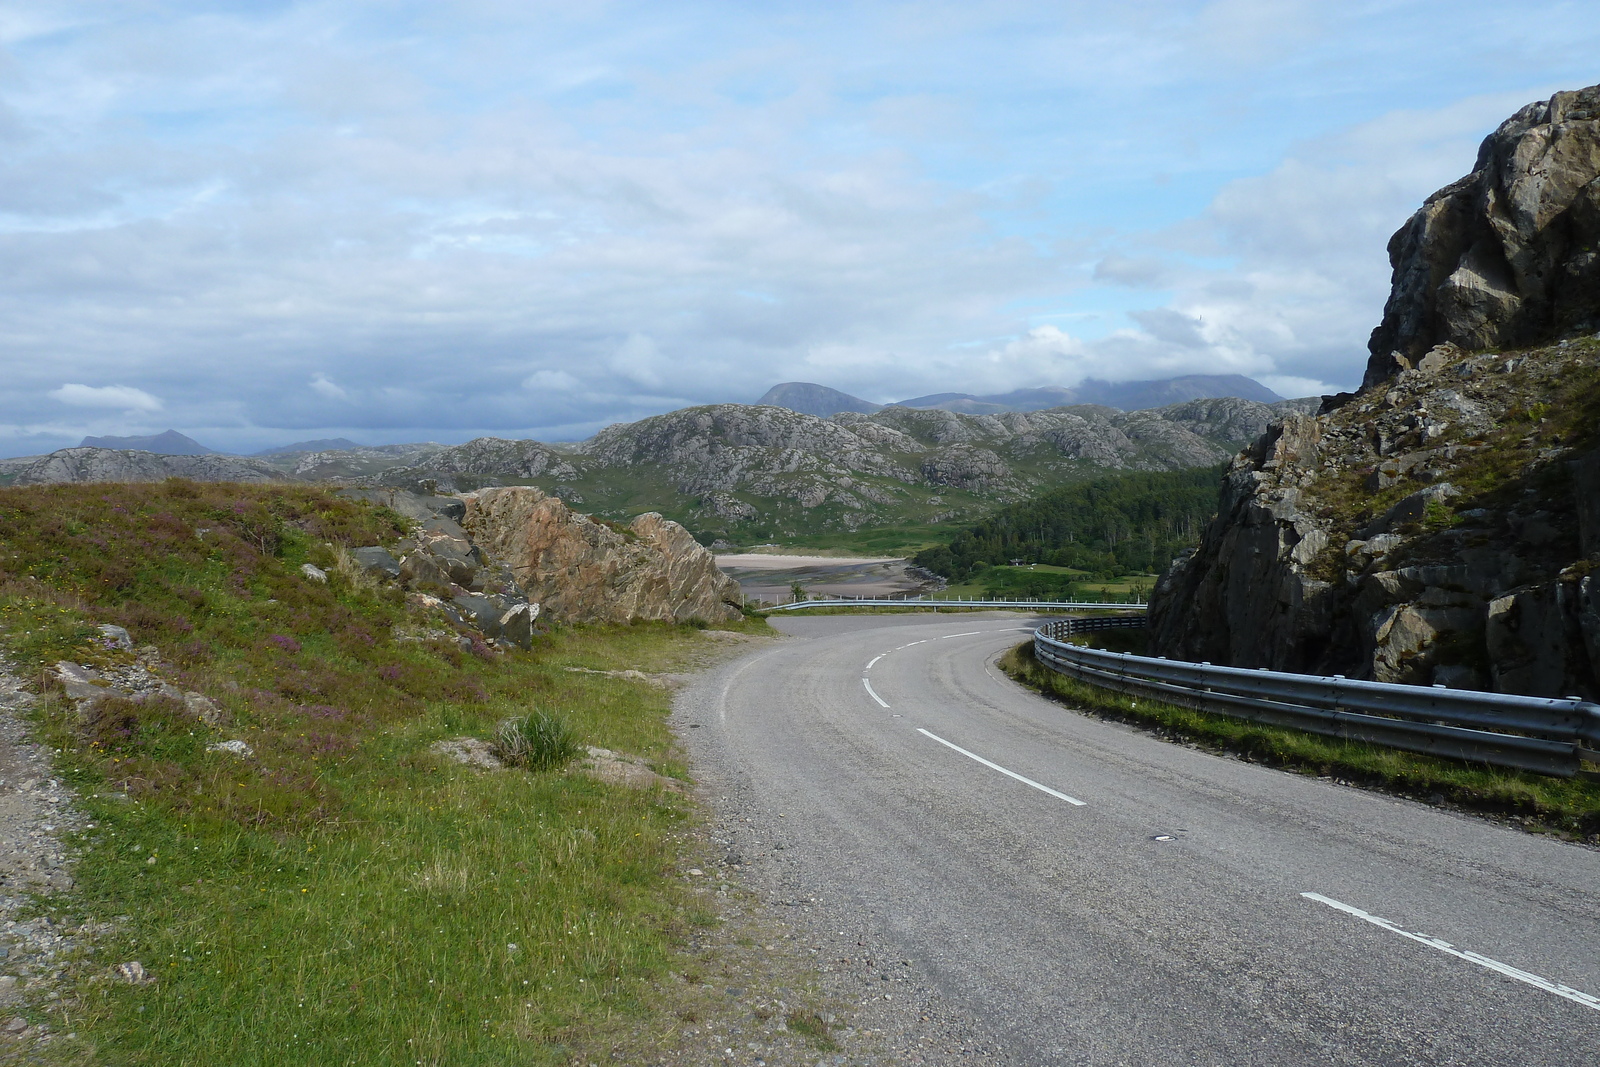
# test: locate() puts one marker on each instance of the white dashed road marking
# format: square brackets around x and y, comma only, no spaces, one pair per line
[1574,995]
[1074,801]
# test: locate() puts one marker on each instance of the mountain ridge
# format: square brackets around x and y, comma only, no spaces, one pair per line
[166,443]
[809,398]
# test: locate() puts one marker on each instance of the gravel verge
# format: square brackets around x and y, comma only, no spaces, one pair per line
[780,923]
[36,810]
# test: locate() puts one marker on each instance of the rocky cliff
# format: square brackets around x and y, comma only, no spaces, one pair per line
[1509,254]
[581,570]
[1440,527]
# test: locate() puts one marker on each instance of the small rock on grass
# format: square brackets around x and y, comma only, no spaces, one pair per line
[134,973]
[17,1025]
[115,636]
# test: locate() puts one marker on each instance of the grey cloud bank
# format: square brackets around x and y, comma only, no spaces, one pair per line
[411,222]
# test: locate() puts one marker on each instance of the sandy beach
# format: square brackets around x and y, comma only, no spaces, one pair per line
[772,577]
[762,561]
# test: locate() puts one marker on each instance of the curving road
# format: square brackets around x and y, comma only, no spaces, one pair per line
[1085,893]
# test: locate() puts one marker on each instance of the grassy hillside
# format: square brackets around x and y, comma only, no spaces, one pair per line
[342,895]
[1117,524]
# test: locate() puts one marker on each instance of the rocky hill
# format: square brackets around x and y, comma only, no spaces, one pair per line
[1506,255]
[1441,526]
[1126,396]
[744,472]
[741,471]
[132,465]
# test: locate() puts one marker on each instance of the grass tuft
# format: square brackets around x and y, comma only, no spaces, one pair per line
[812,1026]
[537,742]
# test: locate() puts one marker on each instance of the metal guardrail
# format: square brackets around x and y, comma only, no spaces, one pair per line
[1547,735]
[956,602]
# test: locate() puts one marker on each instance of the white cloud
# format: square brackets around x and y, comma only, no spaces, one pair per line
[640,361]
[119,397]
[678,204]
[1287,385]
[323,386]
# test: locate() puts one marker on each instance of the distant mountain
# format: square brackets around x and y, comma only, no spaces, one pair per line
[1136,396]
[1126,396]
[818,400]
[171,443]
[1018,400]
[326,444]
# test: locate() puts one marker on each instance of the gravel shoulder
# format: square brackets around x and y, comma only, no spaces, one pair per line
[882,1009]
[36,811]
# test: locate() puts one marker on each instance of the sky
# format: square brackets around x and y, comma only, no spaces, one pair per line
[261,222]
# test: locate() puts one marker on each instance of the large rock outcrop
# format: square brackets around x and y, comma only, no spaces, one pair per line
[583,570]
[1509,254]
[1438,529]
[1443,525]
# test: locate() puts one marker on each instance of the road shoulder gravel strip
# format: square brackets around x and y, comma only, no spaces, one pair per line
[885,1010]
[36,811]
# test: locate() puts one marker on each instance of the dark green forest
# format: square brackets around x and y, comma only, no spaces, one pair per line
[1131,523]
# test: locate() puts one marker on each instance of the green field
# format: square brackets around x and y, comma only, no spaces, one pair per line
[1045,581]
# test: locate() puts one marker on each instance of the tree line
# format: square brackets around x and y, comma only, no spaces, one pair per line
[1132,523]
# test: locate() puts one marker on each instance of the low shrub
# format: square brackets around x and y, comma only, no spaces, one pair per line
[538,742]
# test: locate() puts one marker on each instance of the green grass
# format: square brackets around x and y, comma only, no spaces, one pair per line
[1567,807]
[344,895]
[1047,582]
[812,1026]
[874,541]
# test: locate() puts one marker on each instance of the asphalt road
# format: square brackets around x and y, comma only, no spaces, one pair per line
[1136,901]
